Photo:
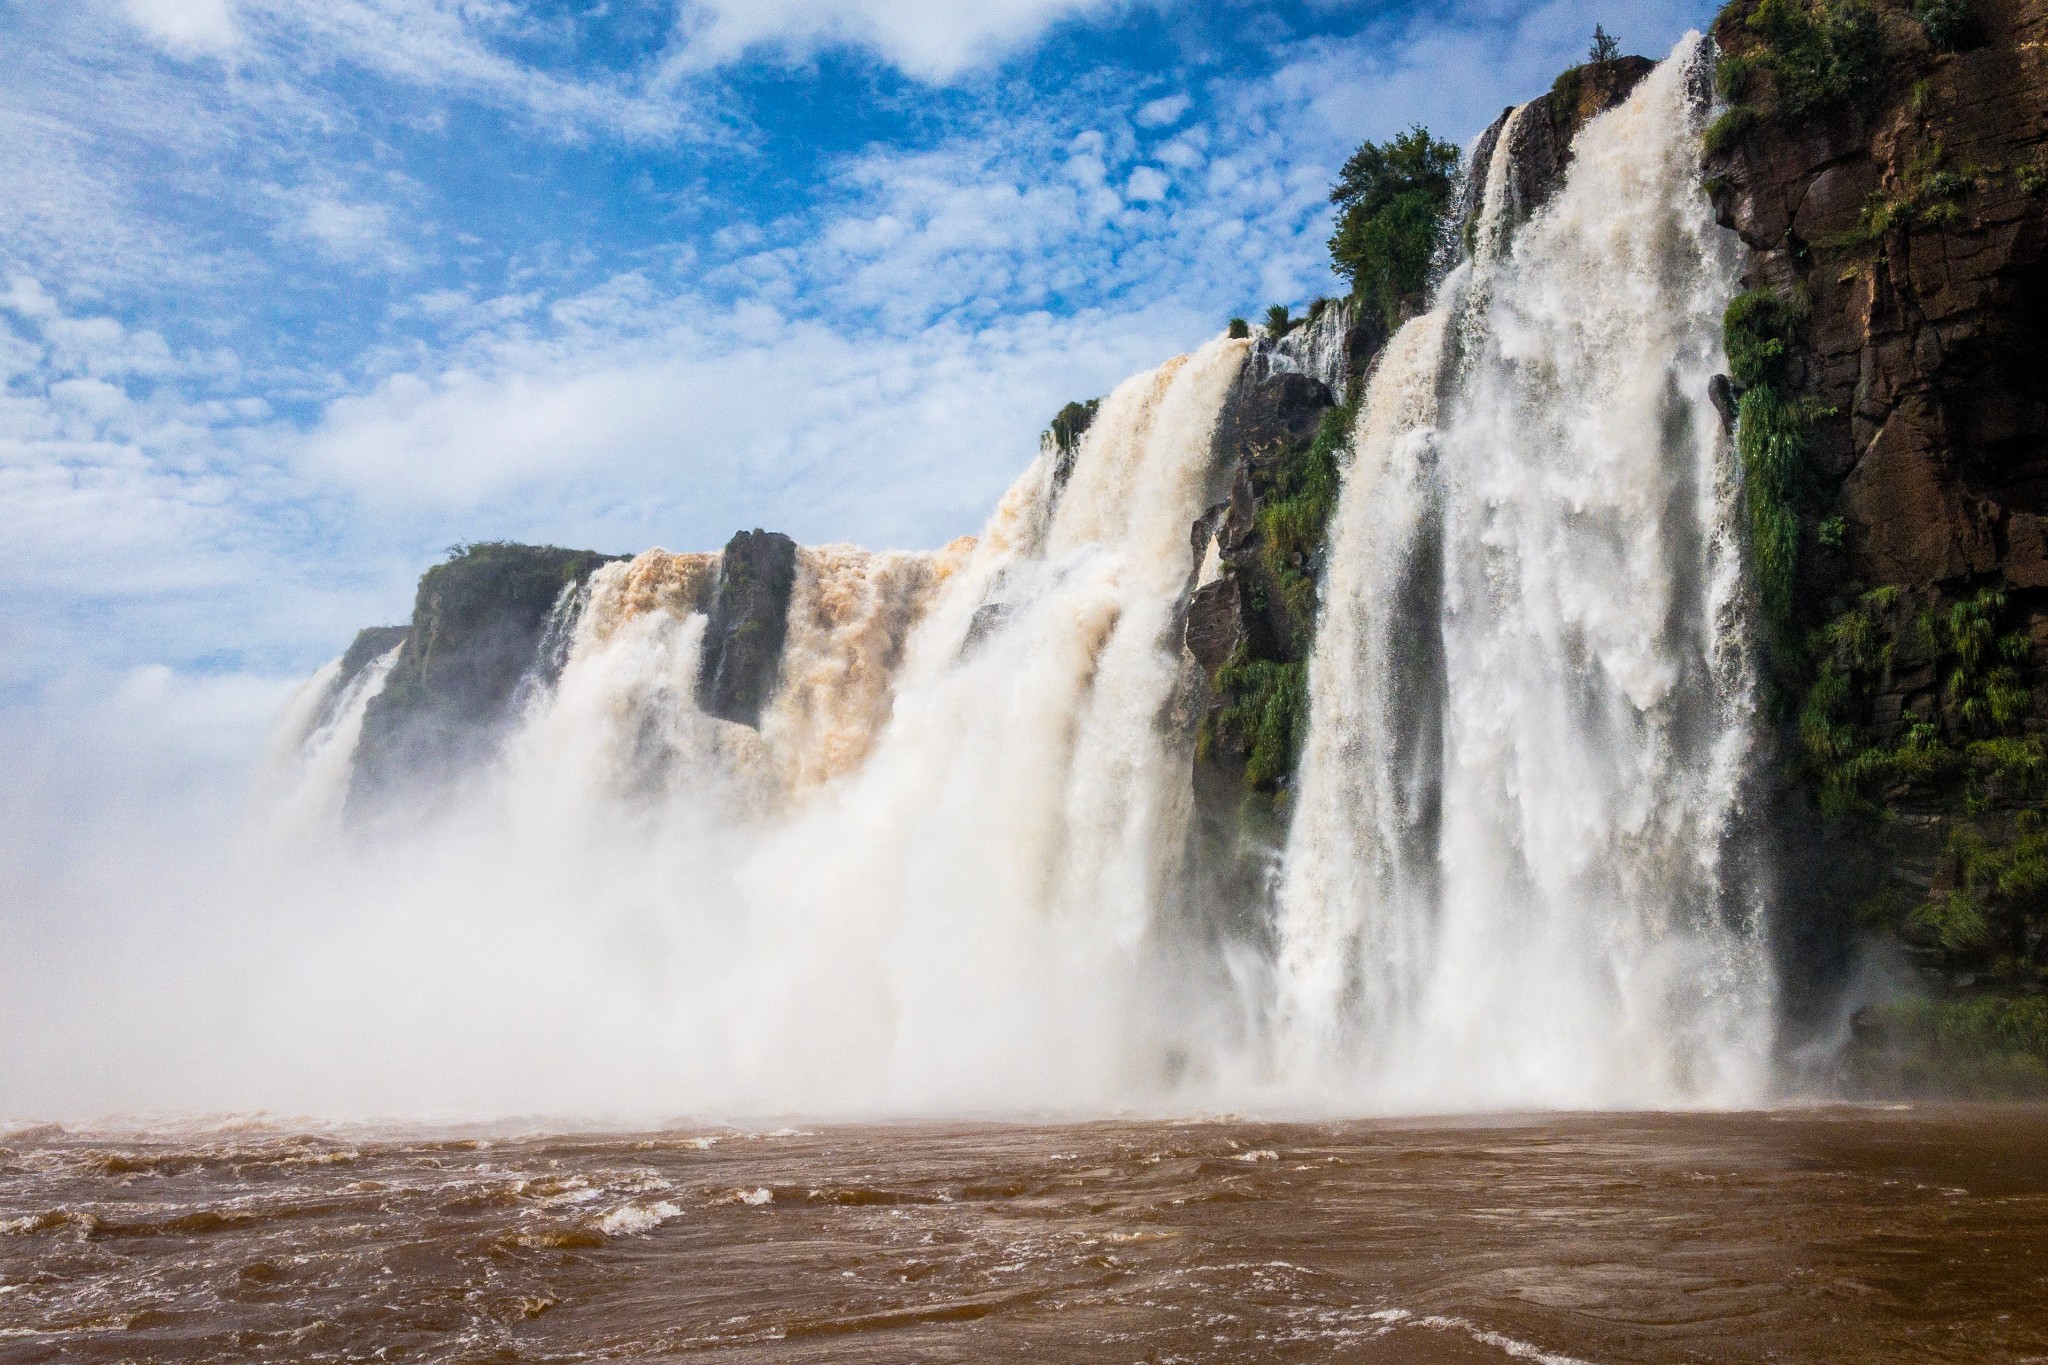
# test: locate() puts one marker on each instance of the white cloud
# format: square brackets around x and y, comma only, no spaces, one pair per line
[187,27]
[1146,185]
[1162,113]
[347,230]
[935,40]
[458,46]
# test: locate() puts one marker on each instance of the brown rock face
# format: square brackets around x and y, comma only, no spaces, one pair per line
[1928,342]
[1909,223]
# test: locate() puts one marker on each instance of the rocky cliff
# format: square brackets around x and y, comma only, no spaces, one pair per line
[477,627]
[496,618]
[1888,167]
[749,609]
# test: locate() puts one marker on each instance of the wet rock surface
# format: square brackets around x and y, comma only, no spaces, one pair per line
[476,631]
[1908,224]
[749,611]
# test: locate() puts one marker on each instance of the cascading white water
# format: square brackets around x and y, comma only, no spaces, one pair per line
[306,773]
[1515,886]
[946,871]
[934,877]
[965,920]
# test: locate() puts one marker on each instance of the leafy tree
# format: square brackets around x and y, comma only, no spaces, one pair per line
[1604,48]
[1390,200]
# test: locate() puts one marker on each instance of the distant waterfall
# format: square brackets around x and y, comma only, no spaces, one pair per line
[313,744]
[1513,876]
[850,623]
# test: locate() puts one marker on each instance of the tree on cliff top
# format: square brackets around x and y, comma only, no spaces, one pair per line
[1390,200]
[1604,48]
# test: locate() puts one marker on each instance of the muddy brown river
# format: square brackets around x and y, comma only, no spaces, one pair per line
[1867,1234]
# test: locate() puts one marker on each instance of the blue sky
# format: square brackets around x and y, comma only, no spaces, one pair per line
[295,293]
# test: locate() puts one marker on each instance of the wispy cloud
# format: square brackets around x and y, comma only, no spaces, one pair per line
[187,27]
[936,42]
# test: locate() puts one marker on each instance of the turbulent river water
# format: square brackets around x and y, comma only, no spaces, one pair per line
[1897,1234]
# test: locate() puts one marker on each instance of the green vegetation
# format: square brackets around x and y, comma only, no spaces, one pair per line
[1983,696]
[1263,711]
[1770,440]
[1951,24]
[1984,1043]
[1564,97]
[1264,714]
[1811,55]
[1294,517]
[1239,329]
[1981,703]
[1759,331]
[1391,199]
[1928,196]
[1604,48]
[1068,424]
[1818,53]
[1730,128]
[1852,654]
[1278,323]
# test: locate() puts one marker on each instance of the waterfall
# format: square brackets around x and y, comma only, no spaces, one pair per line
[950,868]
[312,747]
[1318,347]
[969,917]
[850,621]
[1513,874]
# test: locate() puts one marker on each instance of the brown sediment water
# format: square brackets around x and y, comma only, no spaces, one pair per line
[1866,1234]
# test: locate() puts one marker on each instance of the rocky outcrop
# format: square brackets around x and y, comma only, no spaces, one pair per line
[1241,600]
[1900,230]
[749,611]
[1249,625]
[497,618]
[371,644]
[477,626]
[1333,345]
[1541,134]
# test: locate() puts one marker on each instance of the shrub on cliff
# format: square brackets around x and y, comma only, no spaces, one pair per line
[1390,201]
[1818,54]
[1809,55]
[1951,24]
[1069,423]
[1759,331]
